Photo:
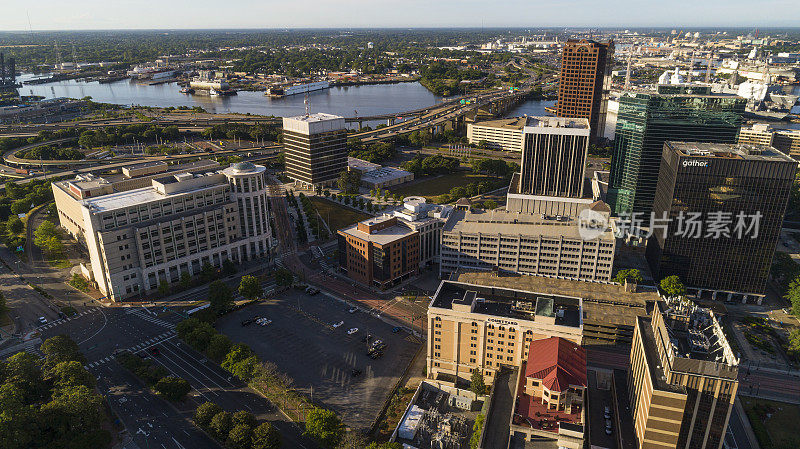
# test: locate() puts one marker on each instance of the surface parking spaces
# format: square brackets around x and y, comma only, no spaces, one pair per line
[305,339]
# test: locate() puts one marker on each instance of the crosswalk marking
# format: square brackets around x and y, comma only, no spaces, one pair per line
[151,342]
[64,320]
[141,314]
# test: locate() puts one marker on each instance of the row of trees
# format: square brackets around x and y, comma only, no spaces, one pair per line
[50,402]
[444,78]
[257,131]
[156,377]
[239,430]
[431,165]
[51,152]
[127,134]
[377,153]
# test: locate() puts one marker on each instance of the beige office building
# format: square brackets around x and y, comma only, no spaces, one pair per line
[786,141]
[502,134]
[525,243]
[139,238]
[683,379]
[478,327]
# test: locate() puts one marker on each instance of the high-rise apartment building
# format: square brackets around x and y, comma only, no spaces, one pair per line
[142,237]
[585,81]
[648,119]
[786,141]
[738,193]
[683,379]
[315,148]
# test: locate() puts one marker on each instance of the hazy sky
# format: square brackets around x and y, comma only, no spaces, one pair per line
[173,14]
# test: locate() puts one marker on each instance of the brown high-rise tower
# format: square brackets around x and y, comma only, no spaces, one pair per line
[585,80]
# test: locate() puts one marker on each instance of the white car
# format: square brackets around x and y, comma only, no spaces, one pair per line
[352,331]
[352,310]
[265,322]
[339,324]
[42,320]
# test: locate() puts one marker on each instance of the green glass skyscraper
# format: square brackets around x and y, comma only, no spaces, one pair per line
[646,120]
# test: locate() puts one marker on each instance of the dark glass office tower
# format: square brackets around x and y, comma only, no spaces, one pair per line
[315,148]
[646,120]
[585,81]
[720,182]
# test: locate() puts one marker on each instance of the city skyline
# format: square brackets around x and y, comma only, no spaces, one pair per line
[95,15]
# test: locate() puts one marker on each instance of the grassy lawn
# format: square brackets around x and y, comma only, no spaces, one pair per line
[778,430]
[431,187]
[337,216]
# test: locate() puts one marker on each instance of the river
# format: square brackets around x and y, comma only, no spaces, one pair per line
[364,100]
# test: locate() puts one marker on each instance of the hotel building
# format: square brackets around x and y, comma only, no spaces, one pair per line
[181,220]
[478,327]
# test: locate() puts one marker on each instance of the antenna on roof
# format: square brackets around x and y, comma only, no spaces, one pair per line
[308,105]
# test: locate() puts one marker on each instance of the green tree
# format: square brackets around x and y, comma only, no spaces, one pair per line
[173,388]
[672,287]
[48,237]
[220,425]
[325,427]
[220,297]
[631,275]
[265,436]
[241,362]
[386,445]
[163,287]
[240,437]
[794,343]
[477,385]
[14,225]
[73,410]
[218,347]
[208,273]
[250,287]
[21,206]
[204,413]
[477,429]
[23,369]
[243,417]
[283,277]
[228,267]
[490,204]
[793,295]
[60,349]
[349,181]
[71,374]
[186,280]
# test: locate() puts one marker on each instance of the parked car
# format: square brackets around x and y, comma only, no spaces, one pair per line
[42,320]
[396,329]
[607,412]
[339,324]
[352,331]
[311,291]
[154,350]
[352,310]
[375,354]
[265,322]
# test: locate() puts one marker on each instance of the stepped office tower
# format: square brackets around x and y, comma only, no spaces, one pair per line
[683,379]
[316,148]
[646,120]
[728,179]
[585,81]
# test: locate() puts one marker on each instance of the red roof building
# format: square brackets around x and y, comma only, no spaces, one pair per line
[555,379]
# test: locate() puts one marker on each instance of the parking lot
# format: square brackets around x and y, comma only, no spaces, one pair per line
[302,341]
